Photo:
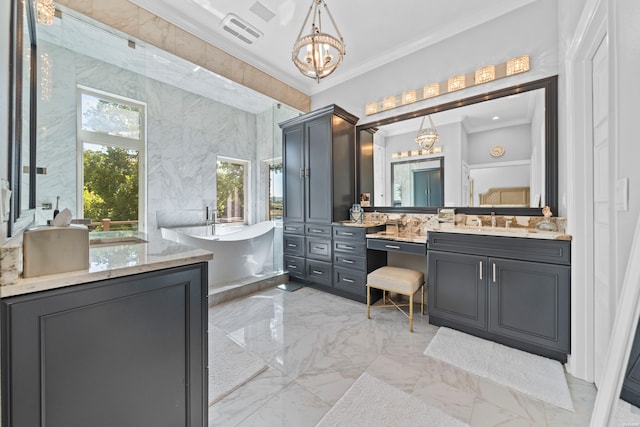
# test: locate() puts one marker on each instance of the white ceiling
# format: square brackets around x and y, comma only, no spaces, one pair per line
[375,31]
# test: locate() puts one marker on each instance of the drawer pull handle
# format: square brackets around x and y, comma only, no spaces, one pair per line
[347,261]
[289,228]
[347,280]
[291,245]
[494,272]
[347,234]
[319,248]
[292,267]
[392,246]
[320,273]
[347,247]
[316,231]
[480,270]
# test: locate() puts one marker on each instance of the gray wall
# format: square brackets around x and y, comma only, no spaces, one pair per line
[530,30]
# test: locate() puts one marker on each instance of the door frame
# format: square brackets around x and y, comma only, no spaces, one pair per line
[591,30]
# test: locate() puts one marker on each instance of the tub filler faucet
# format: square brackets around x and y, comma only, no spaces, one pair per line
[212,220]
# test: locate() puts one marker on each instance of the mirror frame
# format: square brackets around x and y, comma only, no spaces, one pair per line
[550,86]
[18,93]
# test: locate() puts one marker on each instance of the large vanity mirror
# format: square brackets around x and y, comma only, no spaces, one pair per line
[497,152]
[23,72]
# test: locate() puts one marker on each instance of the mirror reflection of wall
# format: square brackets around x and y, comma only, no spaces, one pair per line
[498,144]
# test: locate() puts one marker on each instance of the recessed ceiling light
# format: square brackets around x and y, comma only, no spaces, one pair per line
[495,118]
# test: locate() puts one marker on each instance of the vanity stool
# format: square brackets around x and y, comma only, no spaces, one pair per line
[397,280]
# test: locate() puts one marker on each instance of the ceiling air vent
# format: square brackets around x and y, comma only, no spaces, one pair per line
[241,29]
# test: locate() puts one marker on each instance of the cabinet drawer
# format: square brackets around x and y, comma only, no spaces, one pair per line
[295,266]
[319,249]
[349,261]
[319,272]
[318,230]
[349,233]
[395,246]
[293,245]
[349,247]
[525,249]
[293,228]
[350,280]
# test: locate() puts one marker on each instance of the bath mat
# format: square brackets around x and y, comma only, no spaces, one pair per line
[372,402]
[527,373]
[290,287]
[230,365]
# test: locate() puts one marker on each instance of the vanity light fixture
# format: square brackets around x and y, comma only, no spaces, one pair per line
[389,102]
[488,73]
[431,90]
[371,108]
[456,82]
[408,97]
[517,65]
[427,137]
[485,74]
[318,54]
[46,11]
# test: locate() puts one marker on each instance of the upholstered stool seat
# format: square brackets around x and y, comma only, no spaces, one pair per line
[399,281]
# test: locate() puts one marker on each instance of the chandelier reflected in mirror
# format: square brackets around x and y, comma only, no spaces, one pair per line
[318,54]
[427,137]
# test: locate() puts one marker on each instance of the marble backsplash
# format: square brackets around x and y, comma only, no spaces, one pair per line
[419,223]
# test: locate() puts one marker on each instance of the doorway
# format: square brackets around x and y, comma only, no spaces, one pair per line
[427,187]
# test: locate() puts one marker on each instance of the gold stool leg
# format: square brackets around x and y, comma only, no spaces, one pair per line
[368,302]
[422,302]
[411,313]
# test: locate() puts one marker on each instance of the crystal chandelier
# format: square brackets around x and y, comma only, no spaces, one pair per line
[427,137]
[318,54]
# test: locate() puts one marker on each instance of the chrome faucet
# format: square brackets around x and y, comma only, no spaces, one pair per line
[212,220]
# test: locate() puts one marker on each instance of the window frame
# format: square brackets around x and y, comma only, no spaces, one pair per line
[90,137]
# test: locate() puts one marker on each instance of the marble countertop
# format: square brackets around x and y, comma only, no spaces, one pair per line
[115,255]
[486,231]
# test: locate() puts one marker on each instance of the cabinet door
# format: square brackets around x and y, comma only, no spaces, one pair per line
[319,201]
[294,169]
[130,351]
[457,287]
[528,301]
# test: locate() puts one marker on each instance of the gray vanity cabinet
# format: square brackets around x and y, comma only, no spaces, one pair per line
[129,351]
[514,291]
[319,188]
[319,166]
[352,261]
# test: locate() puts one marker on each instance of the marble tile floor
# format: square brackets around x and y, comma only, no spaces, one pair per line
[316,345]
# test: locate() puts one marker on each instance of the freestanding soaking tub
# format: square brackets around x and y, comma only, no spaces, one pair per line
[239,251]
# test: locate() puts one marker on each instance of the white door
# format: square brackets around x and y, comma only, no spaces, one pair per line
[604,292]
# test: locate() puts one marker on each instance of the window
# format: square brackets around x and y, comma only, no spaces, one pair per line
[111,141]
[231,189]
[275,191]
